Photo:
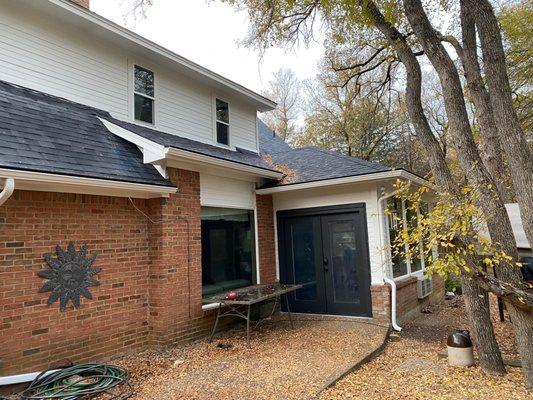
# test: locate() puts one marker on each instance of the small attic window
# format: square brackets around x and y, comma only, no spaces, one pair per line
[222,122]
[144,94]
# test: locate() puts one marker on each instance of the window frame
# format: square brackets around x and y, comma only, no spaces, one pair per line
[134,93]
[407,259]
[254,248]
[216,120]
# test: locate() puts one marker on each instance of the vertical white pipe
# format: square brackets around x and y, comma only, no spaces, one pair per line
[385,260]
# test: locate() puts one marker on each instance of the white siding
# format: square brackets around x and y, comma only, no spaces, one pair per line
[331,196]
[242,122]
[44,55]
[35,53]
[218,191]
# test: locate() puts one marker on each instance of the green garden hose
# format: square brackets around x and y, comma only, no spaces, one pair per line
[81,381]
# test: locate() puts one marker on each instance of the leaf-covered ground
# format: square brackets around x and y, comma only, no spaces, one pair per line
[410,367]
[280,363]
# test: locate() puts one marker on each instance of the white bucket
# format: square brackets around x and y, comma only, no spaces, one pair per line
[460,356]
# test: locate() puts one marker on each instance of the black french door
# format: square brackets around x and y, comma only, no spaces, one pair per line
[326,250]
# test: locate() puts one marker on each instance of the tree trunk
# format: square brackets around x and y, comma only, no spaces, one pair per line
[491,150]
[511,134]
[487,345]
[490,203]
[477,307]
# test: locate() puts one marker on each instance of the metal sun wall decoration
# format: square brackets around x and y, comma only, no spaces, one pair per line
[70,275]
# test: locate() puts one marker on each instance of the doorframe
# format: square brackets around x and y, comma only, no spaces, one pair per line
[322,210]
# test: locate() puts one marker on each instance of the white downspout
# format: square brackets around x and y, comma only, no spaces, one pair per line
[7,191]
[385,260]
[393,303]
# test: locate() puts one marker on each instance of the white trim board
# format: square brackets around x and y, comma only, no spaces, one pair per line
[46,182]
[398,174]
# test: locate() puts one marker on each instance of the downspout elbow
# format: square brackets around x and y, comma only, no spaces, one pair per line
[394,324]
[7,191]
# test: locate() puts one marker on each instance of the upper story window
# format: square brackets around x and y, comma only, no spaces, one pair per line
[222,122]
[143,89]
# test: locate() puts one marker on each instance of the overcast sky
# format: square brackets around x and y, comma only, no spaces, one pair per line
[207,33]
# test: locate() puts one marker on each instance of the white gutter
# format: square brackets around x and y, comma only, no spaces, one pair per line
[184,155]
[347,180]
[29,180]
[7,191]
[385,259]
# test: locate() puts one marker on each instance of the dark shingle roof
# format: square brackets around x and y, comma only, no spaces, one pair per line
[43,133]
[240,156]
[310,164]
[269,142]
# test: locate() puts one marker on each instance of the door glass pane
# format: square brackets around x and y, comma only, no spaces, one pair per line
[343,262]
[303,258]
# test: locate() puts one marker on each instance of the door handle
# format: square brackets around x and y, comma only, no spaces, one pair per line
[326,262]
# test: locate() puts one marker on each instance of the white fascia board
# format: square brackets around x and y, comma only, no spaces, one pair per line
[46,182]
[397,174]
[264,104]
[174,154]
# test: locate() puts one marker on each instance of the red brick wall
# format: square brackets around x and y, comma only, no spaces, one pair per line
[151,283]
[176,271]
[265,235]
[380,295]
[408,306]
[408,303]
[34,334]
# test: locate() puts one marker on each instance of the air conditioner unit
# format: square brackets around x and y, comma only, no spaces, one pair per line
[424,287]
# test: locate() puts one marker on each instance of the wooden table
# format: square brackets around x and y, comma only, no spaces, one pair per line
[246,298]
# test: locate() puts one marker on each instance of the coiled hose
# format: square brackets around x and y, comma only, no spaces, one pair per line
[81,381]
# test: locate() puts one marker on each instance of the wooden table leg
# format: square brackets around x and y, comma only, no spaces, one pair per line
[216,323]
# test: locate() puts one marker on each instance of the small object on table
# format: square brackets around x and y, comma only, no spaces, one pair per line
[231,295]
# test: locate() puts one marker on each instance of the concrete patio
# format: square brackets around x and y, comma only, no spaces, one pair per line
[280,363]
